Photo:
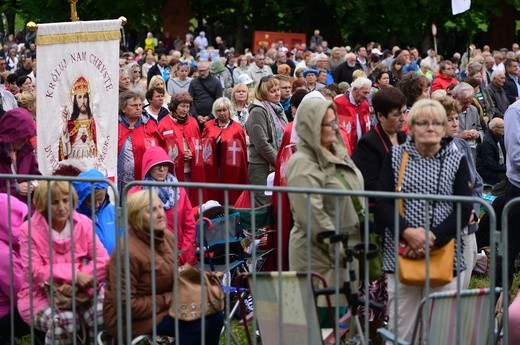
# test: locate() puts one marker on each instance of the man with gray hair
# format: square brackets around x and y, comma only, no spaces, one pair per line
[344,70]
[469,120]
[353,112]
[322,62]
[259,70]
[497,92]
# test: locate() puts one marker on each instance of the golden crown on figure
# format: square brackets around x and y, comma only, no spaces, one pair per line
[80,85]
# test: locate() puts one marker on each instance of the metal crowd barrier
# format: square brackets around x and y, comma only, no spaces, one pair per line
[498,247]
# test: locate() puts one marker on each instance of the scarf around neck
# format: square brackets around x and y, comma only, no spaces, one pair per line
[168,195]
[277,119]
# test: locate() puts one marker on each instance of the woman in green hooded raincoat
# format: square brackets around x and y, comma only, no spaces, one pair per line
[321,161]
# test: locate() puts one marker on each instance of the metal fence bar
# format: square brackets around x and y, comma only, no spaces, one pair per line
[122,221]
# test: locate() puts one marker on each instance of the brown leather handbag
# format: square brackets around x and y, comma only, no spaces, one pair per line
[194,300]
[413,271]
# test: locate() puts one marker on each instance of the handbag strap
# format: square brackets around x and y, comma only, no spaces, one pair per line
[399,186]
[355,200]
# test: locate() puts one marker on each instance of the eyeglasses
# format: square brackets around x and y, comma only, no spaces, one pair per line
[426,124]
[203,70]
[332,124]
[161,166]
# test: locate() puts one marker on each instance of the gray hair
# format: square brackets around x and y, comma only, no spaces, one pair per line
[496,73]
[462,90]
[125,96]
[361,82]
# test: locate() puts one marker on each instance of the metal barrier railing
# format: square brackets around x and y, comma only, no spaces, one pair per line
[124,315]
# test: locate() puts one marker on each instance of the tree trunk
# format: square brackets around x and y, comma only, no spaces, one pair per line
[239,34]
[502,28]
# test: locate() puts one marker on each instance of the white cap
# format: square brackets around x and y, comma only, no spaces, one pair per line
[209,205]
[376,51]
[245,79]
[270,183]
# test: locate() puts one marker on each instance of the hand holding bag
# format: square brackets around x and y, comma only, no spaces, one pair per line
[191,294]
[413,271]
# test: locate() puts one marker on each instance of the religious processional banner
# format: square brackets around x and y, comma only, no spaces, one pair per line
[77,95]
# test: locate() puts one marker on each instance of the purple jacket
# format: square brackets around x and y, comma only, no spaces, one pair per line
[61,259]
[17,124]
[18,212]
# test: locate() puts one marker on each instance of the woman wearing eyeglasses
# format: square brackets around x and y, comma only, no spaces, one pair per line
[433,167]
[137,132]
[181,82]
[264,126]
[321,161]
[157,166]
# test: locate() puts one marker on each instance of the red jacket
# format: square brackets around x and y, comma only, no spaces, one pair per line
[348,121]
[177,136]
[231,144]
[143,137]
[441,82]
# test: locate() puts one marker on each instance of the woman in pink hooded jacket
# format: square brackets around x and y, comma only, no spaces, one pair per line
[158,166]
[71,253]
[12,215]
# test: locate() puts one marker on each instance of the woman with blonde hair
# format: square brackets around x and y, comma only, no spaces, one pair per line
[65,242]
[442,170]
[146,218]
[158,81]
[27,100]
[265,126]
[240,103]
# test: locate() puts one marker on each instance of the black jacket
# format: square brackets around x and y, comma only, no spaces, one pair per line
[154,70]
[488,165]
[510,89]
[344,72]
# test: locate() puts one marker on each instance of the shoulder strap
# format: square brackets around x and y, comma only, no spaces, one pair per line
[404,161]
[212,95]
[355,200]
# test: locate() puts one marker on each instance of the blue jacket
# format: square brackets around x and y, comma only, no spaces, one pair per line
[105,217]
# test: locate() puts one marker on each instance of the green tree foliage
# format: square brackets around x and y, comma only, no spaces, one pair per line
[139,13]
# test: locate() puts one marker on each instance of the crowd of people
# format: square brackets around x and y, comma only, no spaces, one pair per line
[312,116]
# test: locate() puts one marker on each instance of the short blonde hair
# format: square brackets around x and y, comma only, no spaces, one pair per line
[26,98]
[154,79]
[136,204]
[263,87]
[220,103]
[426,106]
[61,187]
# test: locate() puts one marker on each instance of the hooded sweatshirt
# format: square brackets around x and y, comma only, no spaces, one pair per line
[17,124]
[313,166]
[105,216]
[17,214]
[172,198]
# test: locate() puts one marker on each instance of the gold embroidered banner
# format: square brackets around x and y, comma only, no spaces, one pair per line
[77,95]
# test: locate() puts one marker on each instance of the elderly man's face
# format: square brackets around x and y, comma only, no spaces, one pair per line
[361,94]
[499,80]
[465,100]
[260,61]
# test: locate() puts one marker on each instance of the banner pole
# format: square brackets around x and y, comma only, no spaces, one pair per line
[73,11]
